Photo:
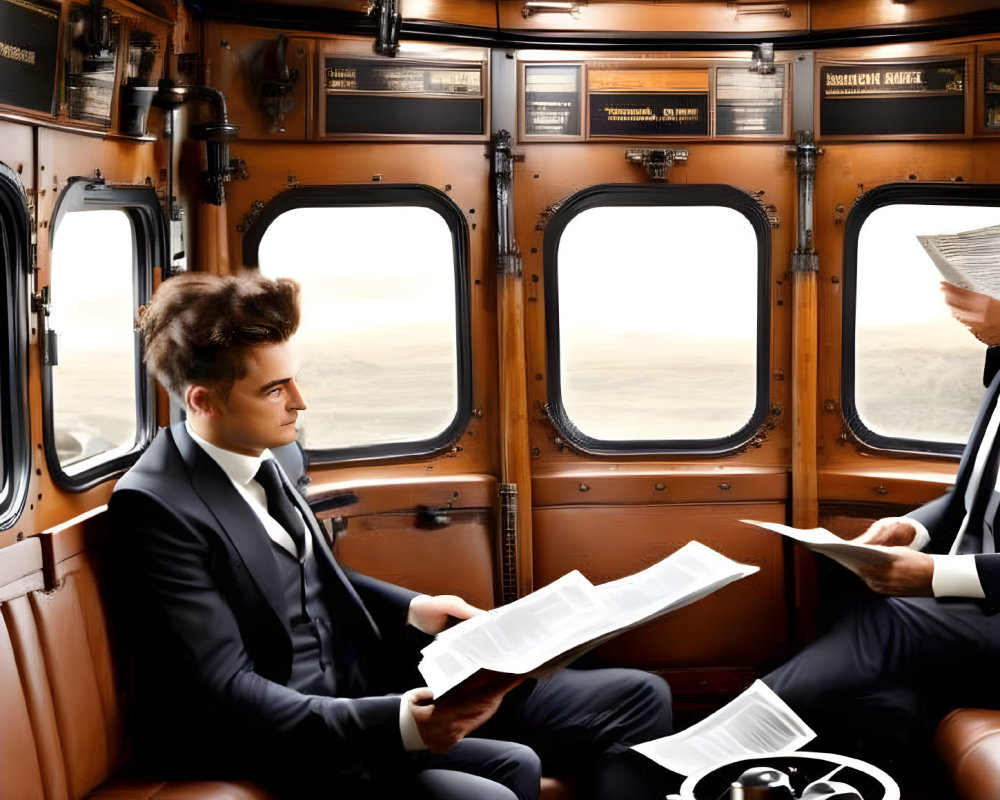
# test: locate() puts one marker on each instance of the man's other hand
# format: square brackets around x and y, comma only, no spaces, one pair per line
[446,721]
[433,614]
[978,312]
[908,574]
[888,532]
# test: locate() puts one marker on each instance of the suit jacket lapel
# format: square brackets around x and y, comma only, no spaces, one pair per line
[968,461]
[321,550]
[236,520]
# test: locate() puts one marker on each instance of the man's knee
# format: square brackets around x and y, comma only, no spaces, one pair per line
[647,706]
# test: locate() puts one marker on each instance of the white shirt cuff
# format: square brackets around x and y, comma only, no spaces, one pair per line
[956,576]
[921,538]
[412,740]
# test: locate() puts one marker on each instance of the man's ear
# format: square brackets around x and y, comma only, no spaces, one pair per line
[199,400]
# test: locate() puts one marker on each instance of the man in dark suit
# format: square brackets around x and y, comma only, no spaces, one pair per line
[259,655]
[929,636]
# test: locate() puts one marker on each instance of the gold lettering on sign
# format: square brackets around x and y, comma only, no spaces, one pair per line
[15,53]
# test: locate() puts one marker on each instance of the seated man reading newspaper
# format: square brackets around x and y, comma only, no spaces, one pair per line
[927,635]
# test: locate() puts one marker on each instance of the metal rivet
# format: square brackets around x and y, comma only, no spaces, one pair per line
[880,489]
[725,486]
[584,487]
[660,487]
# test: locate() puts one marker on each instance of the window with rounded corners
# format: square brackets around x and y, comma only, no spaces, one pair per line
[383,343]
[912,375]
[98,398]
[15,238]
[657,315]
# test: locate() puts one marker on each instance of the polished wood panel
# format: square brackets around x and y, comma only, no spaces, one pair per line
[743,624]
[804,410]
[708,15]
[828,14]
[379,494]
[457,559]
[515,461]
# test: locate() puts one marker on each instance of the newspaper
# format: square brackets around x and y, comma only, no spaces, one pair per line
[758,722]
[549,628]
[970,259]
[849,554]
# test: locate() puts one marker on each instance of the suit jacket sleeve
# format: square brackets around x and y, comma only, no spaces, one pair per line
[174,561]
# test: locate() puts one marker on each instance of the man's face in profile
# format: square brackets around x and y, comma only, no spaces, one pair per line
[262,407]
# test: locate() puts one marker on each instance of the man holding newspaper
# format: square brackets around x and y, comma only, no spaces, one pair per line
[929,634]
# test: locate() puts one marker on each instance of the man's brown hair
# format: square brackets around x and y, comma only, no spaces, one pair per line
[198,326]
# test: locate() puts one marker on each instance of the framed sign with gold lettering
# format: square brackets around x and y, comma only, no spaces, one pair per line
[29,37]
[926,98]
[628,102]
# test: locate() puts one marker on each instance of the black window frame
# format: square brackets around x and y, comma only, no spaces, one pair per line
[142,207]
[15,252]
[383,195]
[922,193]
[625,194]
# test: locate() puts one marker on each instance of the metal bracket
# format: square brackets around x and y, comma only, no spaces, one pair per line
[388,22]
[762,60]
[250,218]
[657,160]
[773,220]
[532,7]
[804,257]
[508,253]
[507,496]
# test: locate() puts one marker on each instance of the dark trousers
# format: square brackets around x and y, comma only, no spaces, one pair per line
[877,682]
[579,722]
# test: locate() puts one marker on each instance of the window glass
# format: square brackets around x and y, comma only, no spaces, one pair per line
[377,342]
[918,372]
[658,322]
[94,406]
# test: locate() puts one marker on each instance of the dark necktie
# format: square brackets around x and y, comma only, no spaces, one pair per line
[280,506]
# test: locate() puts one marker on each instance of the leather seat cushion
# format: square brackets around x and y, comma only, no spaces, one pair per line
[127,788]
[968,742]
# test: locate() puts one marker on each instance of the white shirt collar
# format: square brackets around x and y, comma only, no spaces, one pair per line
[241,469]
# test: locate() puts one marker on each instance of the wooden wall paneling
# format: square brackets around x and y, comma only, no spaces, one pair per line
[804,407]
[552,172]
[743,624]
[825,15]
[453,12]
[845,171]
[708,15]
[62,155]
[515,460]
[462,172]
[457,559]
[233,64]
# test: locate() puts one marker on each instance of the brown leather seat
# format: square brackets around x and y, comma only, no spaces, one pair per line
[61,725]
[968,742]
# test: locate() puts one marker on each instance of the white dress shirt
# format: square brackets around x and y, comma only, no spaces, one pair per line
[240,470]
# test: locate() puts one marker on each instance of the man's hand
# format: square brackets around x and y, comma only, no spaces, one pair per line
[909,574]
[433,614]
[889,532]
[445,722]
[980,313]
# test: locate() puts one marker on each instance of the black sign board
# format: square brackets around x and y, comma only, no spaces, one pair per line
[649,114]
[402,77]
[29,33]
[359,113]
[893,99]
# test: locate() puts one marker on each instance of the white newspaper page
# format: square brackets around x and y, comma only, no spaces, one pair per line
[554,625]
[970,259]
[758,722]
[820,540]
